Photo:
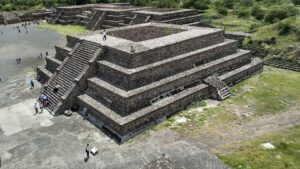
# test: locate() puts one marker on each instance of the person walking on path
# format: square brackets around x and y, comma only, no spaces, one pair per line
[104,35]
[36,108]
[41,108]
[31,84]
[87,150]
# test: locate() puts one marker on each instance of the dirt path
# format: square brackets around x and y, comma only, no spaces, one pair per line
[217,138]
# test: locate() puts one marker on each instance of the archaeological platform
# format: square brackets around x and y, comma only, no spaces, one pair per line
[141,74]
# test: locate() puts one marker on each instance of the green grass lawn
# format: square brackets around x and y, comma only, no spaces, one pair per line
[271,92]
[64,30]
[250,155]
[234,24]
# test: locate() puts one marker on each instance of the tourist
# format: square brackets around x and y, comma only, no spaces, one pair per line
[19,60]
[41,55]
[87,150]
[46,53]
[31,84]
[56,88]
[41,108]
[132,49]
[36,108]
[85,113]
[104,35]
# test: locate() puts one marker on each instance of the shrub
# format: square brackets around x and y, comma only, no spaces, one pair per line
[257,12]
[229,4]
[197,4]
[296,2]
[8,7]
[280,12]
[243,13]
[222,10]
[246,3]
[285,27]
[254,26]
[298,35]
[167,4]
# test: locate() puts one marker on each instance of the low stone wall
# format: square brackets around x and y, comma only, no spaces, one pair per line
[71,41]
[157,54]
[62,52]
[43,75]
[52,64]
[239,36]
[134,78]
[127,102]
[161,16]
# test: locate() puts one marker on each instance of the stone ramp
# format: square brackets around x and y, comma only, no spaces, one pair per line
[68,71]
[283,64]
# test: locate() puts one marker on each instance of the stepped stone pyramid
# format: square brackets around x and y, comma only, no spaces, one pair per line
[105,16]
[144,73]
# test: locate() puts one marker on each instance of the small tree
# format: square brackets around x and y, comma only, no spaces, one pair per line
[257,12]
[243,13]
[280,12]
[197,4]
[296,2]
[222,10]
[229,4]
[247,3]
[285,27]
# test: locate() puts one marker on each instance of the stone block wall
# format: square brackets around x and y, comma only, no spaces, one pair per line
[52,64]
[72,41]
[62,52]
[154,55]
[127,102]
[134,78]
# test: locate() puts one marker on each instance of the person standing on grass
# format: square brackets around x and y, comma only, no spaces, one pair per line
[36,108]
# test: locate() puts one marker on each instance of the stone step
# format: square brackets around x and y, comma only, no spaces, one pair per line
[112,22]
[194,23]
[125,125]
[140,97]
[115,17]
[106,26]
[183,20]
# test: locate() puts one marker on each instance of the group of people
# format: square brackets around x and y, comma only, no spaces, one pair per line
[40,56]
[38,106]
[44,100]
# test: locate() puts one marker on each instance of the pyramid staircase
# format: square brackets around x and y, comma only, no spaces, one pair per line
[56,17]
[220,86]
[69,74]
